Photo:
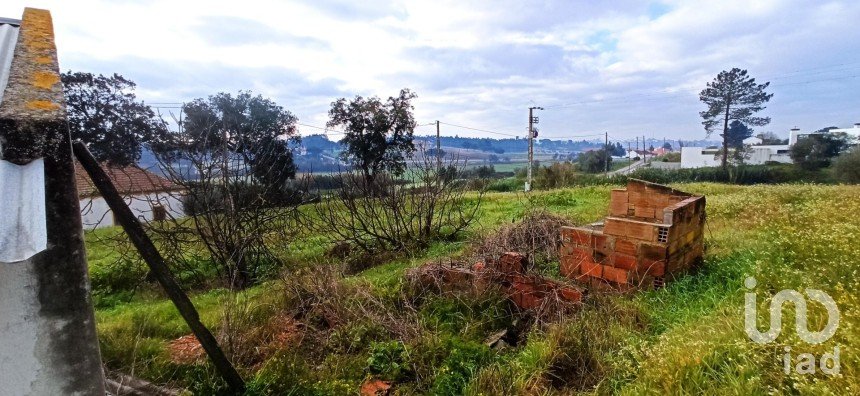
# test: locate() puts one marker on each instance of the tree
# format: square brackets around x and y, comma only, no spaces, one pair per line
[737,133]
[253,128]
[231,158]
[667,146]
[817,150]
[770,138]
[378,135]
[104,113]
[594,161]
[733,96]
[847,166]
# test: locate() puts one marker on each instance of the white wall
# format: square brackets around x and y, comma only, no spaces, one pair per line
[95,212]
[761,154]
[699,157]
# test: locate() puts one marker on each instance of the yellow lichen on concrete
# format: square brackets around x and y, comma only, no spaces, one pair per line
[38,34]
[42,105]
[43,60]
[45,80]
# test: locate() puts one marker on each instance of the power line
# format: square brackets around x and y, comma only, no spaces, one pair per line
[478,129]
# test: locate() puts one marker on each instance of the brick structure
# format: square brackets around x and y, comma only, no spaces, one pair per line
[653,232]
[526,291]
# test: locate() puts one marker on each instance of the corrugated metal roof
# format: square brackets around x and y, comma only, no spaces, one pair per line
[8,38]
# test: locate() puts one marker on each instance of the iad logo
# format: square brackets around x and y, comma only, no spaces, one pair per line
[806,361]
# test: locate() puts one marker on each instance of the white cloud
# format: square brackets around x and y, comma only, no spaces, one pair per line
[632,68]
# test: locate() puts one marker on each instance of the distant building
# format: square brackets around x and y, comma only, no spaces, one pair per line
[661,151]
[700,157]
[757,154]
[794,135]
[149,196]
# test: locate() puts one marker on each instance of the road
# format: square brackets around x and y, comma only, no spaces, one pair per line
[627,169]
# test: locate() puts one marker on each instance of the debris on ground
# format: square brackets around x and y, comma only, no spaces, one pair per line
[375,387]
[186,350]
[508,272]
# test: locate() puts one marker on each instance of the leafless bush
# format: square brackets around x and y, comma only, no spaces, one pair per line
[391,215]
[237,216]
[536,236]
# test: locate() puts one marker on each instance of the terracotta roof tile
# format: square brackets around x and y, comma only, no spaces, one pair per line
[127,179]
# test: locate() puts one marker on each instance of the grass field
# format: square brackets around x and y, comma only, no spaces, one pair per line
[318,332]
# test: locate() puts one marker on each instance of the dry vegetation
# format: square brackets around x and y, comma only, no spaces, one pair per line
[315,330]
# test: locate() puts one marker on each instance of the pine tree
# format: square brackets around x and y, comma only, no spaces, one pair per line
[733,96]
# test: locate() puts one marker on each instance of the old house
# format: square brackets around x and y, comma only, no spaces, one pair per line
[652,232]
[149,196]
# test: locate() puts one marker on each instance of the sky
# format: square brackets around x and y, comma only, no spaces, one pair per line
[627,68]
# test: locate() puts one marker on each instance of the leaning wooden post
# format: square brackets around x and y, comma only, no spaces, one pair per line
[123,215]
[48,343]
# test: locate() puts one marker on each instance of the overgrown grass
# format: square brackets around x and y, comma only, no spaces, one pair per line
[685,338]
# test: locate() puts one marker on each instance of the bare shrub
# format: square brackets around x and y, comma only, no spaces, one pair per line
[235,187]
[398,216]
[536,236]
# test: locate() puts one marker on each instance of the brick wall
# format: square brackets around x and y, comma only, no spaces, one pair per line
[652,231]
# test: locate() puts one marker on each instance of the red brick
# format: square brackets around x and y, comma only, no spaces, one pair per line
[618,208]
[569,294]
[614,226]
[618,203]
[625,246]
[511,262]
[654,267]
[591,269]
[576,236]
[624,261]
[652,251]
[616,275]
[602,243]
[569,266]
[641,231]
[644,211]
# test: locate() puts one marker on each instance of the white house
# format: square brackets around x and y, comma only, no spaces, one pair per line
[757,154]
[700,157]
[794,135]
[150,197]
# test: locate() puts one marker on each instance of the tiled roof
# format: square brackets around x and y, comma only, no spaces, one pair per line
[129,180]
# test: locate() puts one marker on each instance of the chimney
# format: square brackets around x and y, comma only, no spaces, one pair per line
[857,125]
[792,136]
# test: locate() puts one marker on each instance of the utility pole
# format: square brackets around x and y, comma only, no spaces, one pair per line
[438,150]
[532,120]
[644,151]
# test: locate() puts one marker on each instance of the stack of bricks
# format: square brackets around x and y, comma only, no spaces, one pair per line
[526,291]
[652,232]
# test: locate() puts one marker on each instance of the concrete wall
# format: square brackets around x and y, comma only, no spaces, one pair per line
[96,214]
[698,157]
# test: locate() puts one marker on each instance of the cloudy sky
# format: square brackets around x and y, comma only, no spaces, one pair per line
[631,68]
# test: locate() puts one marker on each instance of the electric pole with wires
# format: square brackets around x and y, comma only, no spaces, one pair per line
[532,120]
